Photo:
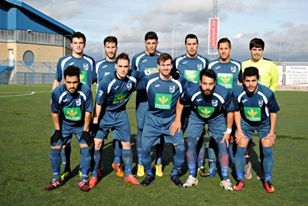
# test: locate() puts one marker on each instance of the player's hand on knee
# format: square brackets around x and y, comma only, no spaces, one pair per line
[175,127]
[226,139]
[57,135]
[239,137]
[87,137]
[271,137]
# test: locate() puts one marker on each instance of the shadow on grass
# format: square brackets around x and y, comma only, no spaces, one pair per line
[291,137]
[107,160]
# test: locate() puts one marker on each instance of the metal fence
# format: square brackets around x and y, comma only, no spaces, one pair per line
[20,73]
[290,73]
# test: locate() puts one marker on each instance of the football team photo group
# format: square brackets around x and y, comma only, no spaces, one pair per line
[207,110]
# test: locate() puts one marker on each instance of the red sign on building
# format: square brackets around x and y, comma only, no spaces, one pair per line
[213,35]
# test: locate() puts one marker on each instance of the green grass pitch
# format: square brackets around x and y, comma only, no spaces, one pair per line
[25,128]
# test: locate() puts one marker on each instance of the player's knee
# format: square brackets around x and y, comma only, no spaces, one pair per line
[56,147]
[243,142]
[83,145]
[266,142]
[98,143]
[224,159]
[126,145]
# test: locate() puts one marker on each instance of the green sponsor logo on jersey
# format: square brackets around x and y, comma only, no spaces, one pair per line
[148,71]
[192,75]
[72,113]
[253,113]
[205,112]
[83,77]
[163,101]
[225,80]
[118,98]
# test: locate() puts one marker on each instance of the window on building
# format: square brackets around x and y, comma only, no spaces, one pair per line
[28,58]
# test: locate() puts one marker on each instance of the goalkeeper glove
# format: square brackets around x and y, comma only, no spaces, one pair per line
[87,137]
[93,129]
[57,135]
[175,73]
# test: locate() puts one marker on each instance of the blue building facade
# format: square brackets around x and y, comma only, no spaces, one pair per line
[30,42]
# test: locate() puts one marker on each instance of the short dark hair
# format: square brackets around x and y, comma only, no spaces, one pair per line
[191,36]
[256,42]
[112,39]
[224,40]
[78,35]
[72,71]
[208,73]
[124,56]
[163,57]
[251,71]
[150,35]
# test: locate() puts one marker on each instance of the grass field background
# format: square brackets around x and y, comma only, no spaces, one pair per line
[25,128]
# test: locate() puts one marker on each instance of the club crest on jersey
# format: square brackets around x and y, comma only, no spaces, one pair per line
[260,103]
[214,102]
[100,92]
[172,89]
[78,102]
[199,66]
[85,66]
[129,86]
[233,69]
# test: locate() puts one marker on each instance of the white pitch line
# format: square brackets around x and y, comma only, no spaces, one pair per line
[18,95]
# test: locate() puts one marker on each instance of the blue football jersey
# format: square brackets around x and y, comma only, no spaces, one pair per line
[147,64]
[228,74]
[71,107]
[86,65]
[255,108]
[163,94]
[103,68]
[189,67]
[114,93]
[208,107]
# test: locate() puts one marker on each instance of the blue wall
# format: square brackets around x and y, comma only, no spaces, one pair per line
[15,15]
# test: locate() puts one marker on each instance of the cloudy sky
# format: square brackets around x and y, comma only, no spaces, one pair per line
[281,23]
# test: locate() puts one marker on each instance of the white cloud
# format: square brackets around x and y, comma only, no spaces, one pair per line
[281,23]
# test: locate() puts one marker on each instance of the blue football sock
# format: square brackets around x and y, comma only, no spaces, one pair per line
[117,151]
[191,156]
[201,152]
[159,151]
[85,160]
[212,158]
[231,154]
[97,158]
[139,146]
[240,162]
[178,158]
[66,157]
[55,162]
[146,161]
[268,163]
[224,164]
[128,161]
